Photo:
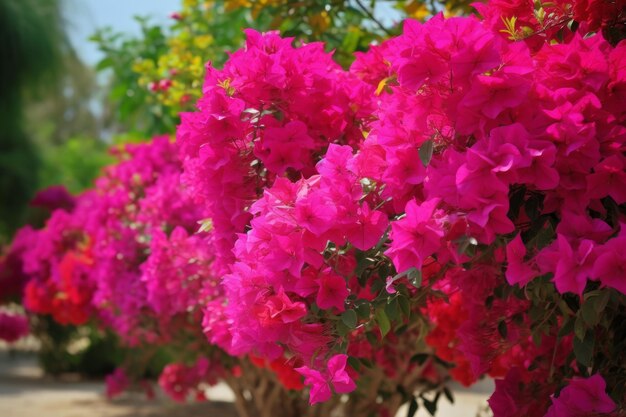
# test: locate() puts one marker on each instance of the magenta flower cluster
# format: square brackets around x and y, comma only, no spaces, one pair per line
[452,206]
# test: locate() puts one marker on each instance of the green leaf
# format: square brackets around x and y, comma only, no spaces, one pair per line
[448,394]
[533,206]
[415,277]
[583,349]
[400,330]
[378,285]
[445,364]
[383,270]
[363,309]
[413,407]
[383,322]
[362,262]
[351,39]
[354,363]
[566,328]
[426,152]
[349,318]
[543,236]
[342,329]
[579,328]
[382,240]
[371,338]
[589,313]
[589,34]
[420,358]
[104,63]
[366,362]
[466,245]
[593,306]
[405,305]
[314,308]
[287,25]
[516,200]
[603,300]
[431,406]
[564,308]
[502,329]
[392,309]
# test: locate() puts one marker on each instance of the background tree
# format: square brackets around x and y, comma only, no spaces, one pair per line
[46,97]
[30,58]
[159,74]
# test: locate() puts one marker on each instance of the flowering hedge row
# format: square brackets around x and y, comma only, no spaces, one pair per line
[451,207]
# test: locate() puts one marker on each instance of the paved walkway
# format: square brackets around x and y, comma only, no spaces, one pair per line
[470,402]
[25,392]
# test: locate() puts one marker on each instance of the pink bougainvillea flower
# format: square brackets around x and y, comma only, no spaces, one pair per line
[280,307]
[12,326]
[582,397]
[416,236]
[608,179]
[369,228]
[116,383]
[54,197]
[315,214]
[518,271]
[332,291]
[335,162]
[335,374]
[610,266]
[319,388]
[574,265]
[339,377]
[512,398]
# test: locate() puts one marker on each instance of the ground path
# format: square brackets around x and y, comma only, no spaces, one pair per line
[25,392]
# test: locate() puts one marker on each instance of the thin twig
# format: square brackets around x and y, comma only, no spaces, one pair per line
[369,13]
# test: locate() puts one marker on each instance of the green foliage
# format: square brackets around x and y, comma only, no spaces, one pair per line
[44,95]
[18,180]
[32,43]
[127,98]
[85,350]
[159,74]
[75,163]
[175,54]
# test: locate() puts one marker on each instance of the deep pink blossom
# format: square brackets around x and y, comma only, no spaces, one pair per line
[582,397]
[608,179]
[369,228]
[416,236]
[116,383]
[332,291]
[12,326]
[518,271]
[571,261]
[334,375]
[610,266]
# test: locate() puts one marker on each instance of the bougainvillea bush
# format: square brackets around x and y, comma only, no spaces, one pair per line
[450,208]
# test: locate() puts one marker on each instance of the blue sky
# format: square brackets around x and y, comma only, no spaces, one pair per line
[83,17]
